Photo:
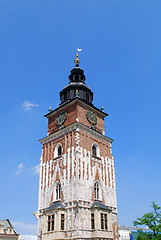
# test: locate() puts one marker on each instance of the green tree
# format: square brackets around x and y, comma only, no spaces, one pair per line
[153,221]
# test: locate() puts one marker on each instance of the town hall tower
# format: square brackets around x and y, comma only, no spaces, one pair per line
[77,191]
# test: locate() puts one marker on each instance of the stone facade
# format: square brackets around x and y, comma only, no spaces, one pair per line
[7,232]
[77,192]
[124,233]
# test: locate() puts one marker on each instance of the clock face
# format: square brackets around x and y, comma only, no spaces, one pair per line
[92,118]
[62,116]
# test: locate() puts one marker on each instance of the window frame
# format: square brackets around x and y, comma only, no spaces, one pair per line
[58,191]
[59,150]
[96,190]
[95,147]
[51,223]
[57,147]
[94,150]
[62,221]
[92,221]
[104,221]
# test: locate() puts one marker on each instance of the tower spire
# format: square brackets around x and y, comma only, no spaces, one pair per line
[76,86]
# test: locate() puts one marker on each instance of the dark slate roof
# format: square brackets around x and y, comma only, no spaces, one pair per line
[54,205]
[99,204]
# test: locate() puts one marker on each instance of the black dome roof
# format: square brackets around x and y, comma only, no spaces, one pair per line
[76,75]
[76,87]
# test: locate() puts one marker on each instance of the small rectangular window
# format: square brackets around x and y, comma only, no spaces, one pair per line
[51,223]
[92,221]
[106,227]
[62,221]
[48,223]
[104,222]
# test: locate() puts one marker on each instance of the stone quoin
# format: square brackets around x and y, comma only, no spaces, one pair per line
[77,190]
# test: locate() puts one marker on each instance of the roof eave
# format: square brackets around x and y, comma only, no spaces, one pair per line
[74,100]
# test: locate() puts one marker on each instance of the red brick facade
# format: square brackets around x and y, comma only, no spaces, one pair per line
[76,111]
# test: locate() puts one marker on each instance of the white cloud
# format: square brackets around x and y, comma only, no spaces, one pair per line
[36,169]
[20,169]
[28,237]
[28,105]
[25,228]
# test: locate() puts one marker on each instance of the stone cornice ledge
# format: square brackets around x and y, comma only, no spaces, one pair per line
[72,127]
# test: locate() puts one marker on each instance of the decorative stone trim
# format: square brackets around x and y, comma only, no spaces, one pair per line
[74,127]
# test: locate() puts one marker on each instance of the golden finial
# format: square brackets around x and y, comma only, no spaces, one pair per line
[77,61]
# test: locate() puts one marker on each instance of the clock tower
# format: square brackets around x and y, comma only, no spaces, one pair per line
[77,191]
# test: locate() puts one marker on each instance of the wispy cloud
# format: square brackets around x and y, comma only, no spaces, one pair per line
[20,169]
[32,170]
[28,237]
[25,228]
[36,169]
[29,105]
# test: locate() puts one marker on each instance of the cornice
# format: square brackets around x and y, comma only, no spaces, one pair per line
[79,101]
[94,133]
[72,127]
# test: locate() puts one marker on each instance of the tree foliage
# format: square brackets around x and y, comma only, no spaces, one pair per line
[152,220]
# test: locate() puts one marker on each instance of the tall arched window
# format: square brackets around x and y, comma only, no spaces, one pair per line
[60,150]
[58,191]
[96,190]
[94,150]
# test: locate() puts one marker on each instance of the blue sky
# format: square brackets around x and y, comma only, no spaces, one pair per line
[121,57]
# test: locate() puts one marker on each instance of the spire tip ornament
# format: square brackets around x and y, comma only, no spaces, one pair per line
[77,60]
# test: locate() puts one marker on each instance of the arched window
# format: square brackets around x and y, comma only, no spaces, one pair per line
[94,150]
[96,190]
[60,150]
[58,191]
